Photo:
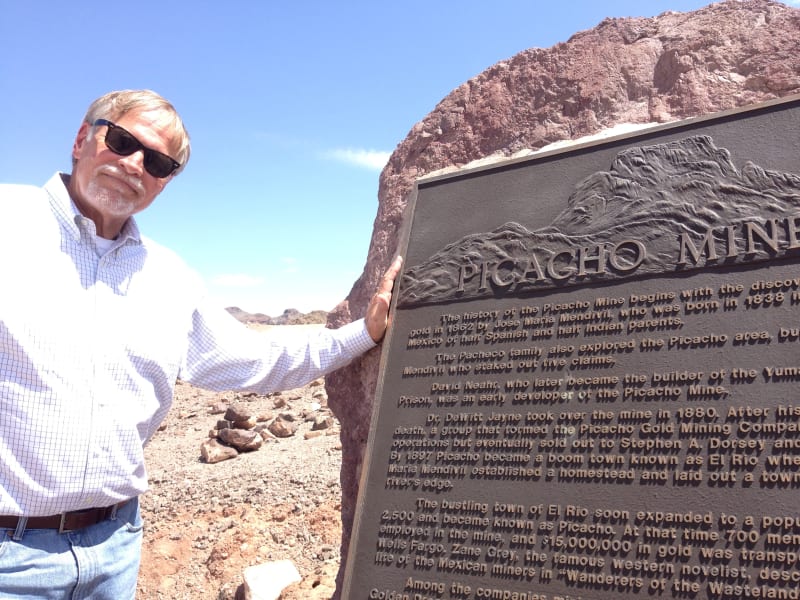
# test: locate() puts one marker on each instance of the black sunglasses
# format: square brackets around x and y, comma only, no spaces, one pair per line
[122,142]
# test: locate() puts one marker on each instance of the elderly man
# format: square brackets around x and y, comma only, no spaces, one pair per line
[96,324]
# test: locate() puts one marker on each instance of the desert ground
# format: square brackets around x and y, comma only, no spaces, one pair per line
[206,523]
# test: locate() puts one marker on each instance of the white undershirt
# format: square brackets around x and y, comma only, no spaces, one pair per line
[103,245]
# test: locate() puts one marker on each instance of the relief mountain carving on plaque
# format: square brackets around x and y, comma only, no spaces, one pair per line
[661,208]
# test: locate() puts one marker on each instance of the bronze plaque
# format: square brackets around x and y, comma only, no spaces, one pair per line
[590,388]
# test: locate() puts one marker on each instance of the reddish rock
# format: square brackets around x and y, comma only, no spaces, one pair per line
[283,426]
[241,439]
[627,70]
[213,452]
[237,412]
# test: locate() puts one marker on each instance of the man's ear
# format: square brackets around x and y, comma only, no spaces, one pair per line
[80,140]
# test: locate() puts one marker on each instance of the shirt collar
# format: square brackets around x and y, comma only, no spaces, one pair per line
[69,214]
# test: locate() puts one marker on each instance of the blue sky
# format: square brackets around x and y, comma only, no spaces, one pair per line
[293,109]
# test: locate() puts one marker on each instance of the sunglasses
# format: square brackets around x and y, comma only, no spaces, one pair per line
[122,142]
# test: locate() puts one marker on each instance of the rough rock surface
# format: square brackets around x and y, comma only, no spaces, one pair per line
[631,70]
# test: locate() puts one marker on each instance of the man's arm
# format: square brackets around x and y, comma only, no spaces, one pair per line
[222,354]
[377,316]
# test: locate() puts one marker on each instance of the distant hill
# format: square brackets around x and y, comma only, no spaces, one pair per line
[290,316]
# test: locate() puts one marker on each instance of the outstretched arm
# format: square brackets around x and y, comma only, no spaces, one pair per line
[377,316]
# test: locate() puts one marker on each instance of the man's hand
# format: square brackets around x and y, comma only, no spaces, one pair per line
[377,316]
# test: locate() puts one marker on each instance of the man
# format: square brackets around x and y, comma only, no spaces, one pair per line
[96,325]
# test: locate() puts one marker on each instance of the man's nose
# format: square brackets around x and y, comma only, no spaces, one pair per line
[133,163]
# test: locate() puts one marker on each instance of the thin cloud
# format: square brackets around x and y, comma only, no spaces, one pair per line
[289,264]
[374,160]
[237,280]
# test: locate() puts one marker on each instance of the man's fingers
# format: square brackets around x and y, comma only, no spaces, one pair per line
[378,309]
[387,282]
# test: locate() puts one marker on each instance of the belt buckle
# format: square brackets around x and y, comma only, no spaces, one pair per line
[61,524]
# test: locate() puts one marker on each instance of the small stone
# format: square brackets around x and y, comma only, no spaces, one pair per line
[218,408]
[212,451]
[248,423]
[241,439]
[321,423]
[237,412]
[283,427]
[267,581]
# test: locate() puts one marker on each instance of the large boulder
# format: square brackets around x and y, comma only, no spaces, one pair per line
[626,70]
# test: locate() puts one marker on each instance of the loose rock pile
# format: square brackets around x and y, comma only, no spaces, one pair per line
[207,524]
[239,430]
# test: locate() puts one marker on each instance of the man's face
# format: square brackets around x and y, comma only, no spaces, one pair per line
[107,187]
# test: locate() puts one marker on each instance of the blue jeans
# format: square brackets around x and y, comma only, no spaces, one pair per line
[100,562]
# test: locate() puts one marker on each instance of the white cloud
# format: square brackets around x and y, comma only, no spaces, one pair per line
[237,280]
[371,159]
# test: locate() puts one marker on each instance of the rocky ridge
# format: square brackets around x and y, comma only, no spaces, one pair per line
[291,316]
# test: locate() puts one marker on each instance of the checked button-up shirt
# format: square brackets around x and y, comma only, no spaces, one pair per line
[91,347]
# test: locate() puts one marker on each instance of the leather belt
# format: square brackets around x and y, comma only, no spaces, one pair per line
[65,522]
